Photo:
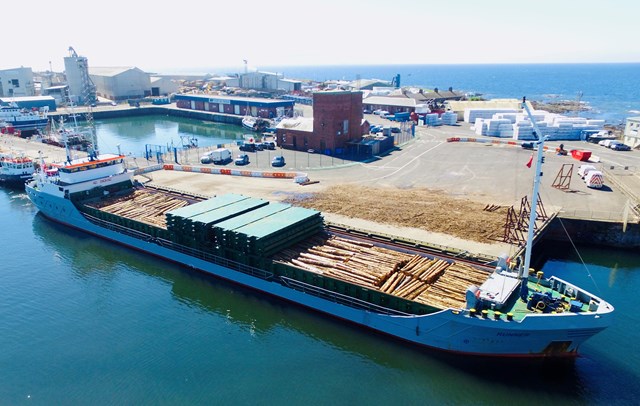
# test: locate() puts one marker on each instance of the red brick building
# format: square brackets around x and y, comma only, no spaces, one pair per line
[337,122]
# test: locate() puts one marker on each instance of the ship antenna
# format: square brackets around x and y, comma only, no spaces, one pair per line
[67,150]
[524,272]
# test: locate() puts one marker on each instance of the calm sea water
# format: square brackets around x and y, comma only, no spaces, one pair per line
[84,321]
[134,136]
[611,90]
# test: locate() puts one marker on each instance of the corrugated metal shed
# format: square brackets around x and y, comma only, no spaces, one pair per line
[109,70]
[487,104]
[368,84]
[119,83]
[29,102]
[244,101]
[390,101]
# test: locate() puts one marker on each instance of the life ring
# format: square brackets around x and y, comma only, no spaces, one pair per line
[540,305]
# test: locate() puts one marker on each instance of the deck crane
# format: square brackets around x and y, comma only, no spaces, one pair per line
[539,143]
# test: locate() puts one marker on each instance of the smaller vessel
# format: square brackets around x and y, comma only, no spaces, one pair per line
[62,136]
[26,121]
[15,169]
[255,123]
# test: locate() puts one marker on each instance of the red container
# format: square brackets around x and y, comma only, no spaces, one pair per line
[581,155]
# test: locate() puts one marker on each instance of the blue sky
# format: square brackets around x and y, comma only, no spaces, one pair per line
[190,34]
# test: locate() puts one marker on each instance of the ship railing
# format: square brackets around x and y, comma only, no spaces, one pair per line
[227,263]
[116,227]
[340,298]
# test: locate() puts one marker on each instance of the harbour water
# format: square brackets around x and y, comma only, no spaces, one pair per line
[133,135]
[84,321]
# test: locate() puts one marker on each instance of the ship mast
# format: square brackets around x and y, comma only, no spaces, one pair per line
[524,272]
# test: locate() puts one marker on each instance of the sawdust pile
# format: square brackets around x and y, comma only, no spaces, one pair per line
[429,210]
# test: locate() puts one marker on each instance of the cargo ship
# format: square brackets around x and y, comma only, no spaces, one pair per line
[287,252]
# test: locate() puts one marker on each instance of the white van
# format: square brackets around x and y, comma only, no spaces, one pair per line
[594,179]
[218,156]
[583,170]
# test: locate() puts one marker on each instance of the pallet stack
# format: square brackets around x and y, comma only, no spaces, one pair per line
[180,223]
[273,233]
[202,232]
[225,230]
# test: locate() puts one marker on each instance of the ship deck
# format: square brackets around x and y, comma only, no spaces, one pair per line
[518,308]
[146,205]
[428,280]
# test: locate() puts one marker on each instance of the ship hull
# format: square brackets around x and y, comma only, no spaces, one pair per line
[16,181]
[28,127]
[536,335]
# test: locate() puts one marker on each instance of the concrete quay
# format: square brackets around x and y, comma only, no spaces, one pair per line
[488,173]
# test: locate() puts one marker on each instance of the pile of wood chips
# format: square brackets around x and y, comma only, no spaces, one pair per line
[429,210]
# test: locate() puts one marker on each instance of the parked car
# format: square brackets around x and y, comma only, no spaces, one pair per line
[269,145]
[242,159]
[248,147]
[278,161]
[374,129]
[619,146]
[606,143]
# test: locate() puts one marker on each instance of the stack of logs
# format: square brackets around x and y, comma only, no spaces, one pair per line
[433,282]
[142,205]
[348,260]
[414,277]
[450,288]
